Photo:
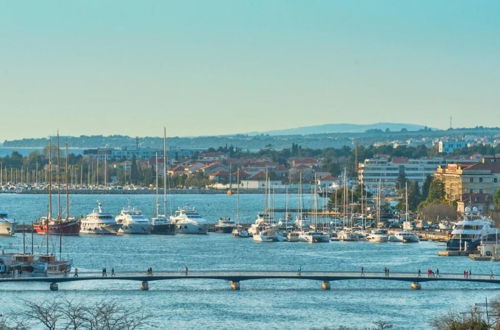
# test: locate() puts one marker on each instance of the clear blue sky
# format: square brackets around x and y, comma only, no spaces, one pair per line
[217,67]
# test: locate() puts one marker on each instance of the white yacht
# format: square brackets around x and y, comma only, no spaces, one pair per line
[490,245]
[378,236]
[260,223]
[240,231]
[468,233]
[225,225]
[407,237]
[293,236]
[132,221]
[99,223]
[314,237]
[188,221]
[268,235]
[7,226]
[349,235]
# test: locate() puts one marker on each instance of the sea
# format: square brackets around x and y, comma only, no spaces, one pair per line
[260,304]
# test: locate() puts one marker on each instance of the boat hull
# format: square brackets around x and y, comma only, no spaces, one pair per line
[99,229]
[7,228]
[69,228]
[224,229]
[191,229]
[163,229]
[135,229]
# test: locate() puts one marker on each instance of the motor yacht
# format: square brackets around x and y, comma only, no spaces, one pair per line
[268,235]
[188,221]
[314,237]
[225,225]
[468,233]
[349,235]
[490,245]
[334,236]
[99,223]
[262,222]
[7,226]
[132,221]
[407,237]
[378,236]
[294,236]
[240,231]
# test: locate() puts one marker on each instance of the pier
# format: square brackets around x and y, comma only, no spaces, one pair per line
[235,277]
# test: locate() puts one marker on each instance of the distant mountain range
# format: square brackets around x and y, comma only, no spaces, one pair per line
[342,128]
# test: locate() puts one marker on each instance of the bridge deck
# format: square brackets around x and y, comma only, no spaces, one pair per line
[237,276]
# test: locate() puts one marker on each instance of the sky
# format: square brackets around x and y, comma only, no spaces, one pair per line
[234,66]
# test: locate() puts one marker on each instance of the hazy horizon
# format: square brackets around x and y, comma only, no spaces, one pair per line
[201,68]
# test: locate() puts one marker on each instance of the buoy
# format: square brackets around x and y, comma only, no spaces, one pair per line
[229,192]
[415,286]
[54,287]
[144,286]
[325,285]
[235,285]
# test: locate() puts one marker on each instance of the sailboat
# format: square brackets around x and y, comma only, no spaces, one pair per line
[378,235]
[48,263]
[315,236]
[239,230]
[161,223]
[58,226]
[301,222]
[266,230]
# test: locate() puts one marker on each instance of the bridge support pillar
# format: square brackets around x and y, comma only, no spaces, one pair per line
[415,286]
[54,287]
[235,285]
[325,285]
[145,286]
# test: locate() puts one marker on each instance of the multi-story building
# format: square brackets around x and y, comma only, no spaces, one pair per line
[445,147]
[471,184]
[384,171]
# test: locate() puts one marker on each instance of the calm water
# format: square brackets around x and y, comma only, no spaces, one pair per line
[201,304]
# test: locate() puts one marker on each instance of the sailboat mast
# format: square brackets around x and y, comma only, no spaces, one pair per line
[238,197]
[49,214]
[58,178]
[315,204]
[32,239]
[165,171]
[156,184]
[67,183]
[406,200]
[362,207]
[300,198]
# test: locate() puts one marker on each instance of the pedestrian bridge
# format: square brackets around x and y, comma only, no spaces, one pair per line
[235,277]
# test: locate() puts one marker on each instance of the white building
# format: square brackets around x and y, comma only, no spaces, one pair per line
[385,171]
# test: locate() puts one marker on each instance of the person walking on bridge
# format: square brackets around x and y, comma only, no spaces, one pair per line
[419,272]
[362,271]
[437,272]
[186,270]
[113,271]
[104,274]
[76,272]
[491,275]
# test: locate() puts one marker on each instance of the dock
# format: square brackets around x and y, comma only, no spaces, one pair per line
[235,277]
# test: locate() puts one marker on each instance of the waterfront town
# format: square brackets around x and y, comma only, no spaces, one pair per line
[468,168]
[232,164]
